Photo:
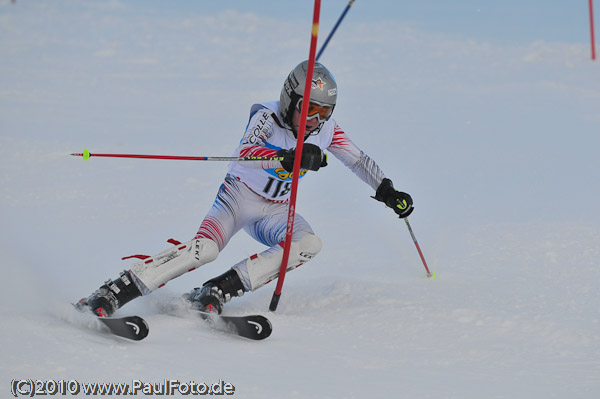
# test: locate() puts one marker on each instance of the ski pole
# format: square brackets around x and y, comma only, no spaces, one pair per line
[86,155]
[350,3]
[297,160]
[429,274]
[592,30]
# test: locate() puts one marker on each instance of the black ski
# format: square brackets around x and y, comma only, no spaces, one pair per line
[130,327]
[254,327]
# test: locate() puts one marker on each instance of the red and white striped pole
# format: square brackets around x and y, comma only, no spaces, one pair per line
[592,30]
[298,158]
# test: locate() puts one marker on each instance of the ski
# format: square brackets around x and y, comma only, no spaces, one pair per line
[255,327]
[131,327]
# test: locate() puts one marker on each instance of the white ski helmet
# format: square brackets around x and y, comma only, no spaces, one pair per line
[323,93]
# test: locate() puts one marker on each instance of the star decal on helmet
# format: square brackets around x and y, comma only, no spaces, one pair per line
[318,83]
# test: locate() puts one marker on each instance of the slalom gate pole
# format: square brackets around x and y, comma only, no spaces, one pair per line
[297,159]
[87,155]
[350,3]
[429,274]
[592,30]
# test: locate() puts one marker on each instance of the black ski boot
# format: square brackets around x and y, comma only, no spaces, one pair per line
[111,296]
[216,292]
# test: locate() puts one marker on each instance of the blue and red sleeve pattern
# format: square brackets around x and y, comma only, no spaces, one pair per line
[254,143]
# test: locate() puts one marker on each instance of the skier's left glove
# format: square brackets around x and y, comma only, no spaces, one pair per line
[400,202]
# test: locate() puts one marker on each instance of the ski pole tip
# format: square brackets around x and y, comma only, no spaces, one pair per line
[85,154]
[274,302]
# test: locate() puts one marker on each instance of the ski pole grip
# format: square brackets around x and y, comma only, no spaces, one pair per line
[274,302]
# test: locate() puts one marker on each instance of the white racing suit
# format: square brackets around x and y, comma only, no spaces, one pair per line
[253,197]
[255,194]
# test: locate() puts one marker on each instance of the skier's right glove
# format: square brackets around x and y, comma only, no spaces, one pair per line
[313,157]
[400,202]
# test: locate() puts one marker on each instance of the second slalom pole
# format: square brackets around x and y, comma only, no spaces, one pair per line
[339,21]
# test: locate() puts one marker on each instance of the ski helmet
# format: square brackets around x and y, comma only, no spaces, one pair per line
[323,93]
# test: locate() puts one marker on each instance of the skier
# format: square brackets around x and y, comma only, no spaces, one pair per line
[254,197]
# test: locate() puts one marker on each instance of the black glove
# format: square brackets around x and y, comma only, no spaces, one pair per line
[400,202]
[313,158]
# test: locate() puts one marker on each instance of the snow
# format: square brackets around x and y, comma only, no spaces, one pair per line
[496,143]
[514,315]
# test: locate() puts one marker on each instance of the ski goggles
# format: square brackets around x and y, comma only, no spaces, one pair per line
[315,110]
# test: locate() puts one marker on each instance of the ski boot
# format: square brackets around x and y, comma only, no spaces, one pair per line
[216,292]
[111,296]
